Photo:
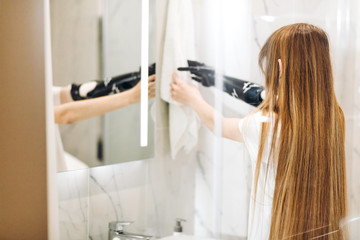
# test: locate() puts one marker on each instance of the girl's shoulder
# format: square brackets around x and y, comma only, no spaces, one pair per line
[260,116]
[251,124]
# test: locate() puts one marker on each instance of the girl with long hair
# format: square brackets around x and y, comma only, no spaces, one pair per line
[295,138]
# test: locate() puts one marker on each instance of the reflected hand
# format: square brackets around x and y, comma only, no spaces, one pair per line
[182,92]
[151,87]
[136,90]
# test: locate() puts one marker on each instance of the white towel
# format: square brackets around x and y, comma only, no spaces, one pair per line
[178,47]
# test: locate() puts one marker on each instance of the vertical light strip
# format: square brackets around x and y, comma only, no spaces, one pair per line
[144,72]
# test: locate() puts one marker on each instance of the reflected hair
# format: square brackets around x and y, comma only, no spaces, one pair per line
[308,149]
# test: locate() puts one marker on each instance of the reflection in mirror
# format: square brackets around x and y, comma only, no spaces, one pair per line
[99,40]
[122,54]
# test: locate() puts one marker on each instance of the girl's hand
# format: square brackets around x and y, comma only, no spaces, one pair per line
[182,92]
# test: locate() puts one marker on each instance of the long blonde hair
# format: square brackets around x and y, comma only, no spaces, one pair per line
[308,148]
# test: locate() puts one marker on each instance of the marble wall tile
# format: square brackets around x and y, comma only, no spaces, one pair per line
[228,202]
[73,192]
[117,193]
[170,193]
[353,154]
[91,198]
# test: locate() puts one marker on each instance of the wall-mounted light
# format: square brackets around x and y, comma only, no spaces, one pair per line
[144,72]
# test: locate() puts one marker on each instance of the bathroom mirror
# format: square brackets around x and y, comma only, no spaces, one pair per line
[95,40]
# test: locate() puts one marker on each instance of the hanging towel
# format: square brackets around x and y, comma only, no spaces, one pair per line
[178,47]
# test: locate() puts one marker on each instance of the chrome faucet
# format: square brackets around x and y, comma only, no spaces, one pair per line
[116,232]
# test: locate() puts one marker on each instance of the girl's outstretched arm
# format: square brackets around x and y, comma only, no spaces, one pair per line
[188,94]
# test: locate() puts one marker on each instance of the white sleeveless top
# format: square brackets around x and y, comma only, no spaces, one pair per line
[260,210]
